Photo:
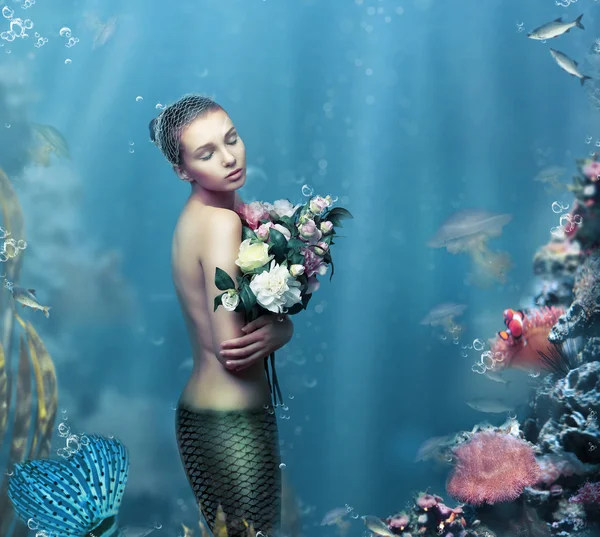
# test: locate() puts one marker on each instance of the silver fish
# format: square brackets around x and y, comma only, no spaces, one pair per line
[377,526]
[26,297]
[497,378]
[490,406]
[568,65]
[555,28]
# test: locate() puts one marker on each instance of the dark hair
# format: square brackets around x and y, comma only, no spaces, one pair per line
[166,129]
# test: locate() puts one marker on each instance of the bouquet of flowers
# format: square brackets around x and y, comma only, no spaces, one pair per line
[284,248]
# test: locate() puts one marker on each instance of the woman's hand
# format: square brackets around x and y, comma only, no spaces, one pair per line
[263,336]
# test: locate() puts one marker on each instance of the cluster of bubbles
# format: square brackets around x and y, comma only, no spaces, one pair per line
[18,27]
[131,149]
[520,27]
[596,47]
[10,247]
[34,526]
[73,442]
[565,3]
[567,222]
[588,139]
[487,361]
[66,33]
[27,4]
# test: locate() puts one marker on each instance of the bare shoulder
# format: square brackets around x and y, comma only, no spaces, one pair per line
[200,227]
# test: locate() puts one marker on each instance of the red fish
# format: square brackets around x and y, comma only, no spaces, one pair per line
[514,324]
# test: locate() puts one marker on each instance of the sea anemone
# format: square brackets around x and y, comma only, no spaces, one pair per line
[492,467]
[524,352]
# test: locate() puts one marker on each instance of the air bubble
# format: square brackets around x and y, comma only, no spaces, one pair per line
[478,345]
[139,98]
[65,32]
[283,465]
[68,61]
[307,190]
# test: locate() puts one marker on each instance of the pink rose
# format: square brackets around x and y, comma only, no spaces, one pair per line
[592,170]
[253,213]
[262,233]
[318,204]
[326,227]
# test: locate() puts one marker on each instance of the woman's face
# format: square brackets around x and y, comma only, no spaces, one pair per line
[212,153]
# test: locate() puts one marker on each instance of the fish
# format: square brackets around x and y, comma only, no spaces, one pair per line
[70,496]
[377,526]
[514,324]
[497,378]
[489,406]
[334,516]
[104,32]
[555,28]
[568,65]
[26,297]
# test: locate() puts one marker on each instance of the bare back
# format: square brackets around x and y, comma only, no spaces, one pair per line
[210,385]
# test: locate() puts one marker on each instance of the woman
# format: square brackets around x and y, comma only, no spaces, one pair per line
[226,426]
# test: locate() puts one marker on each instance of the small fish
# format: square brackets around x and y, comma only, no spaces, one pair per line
[52,502]
[104,32]
[514,324]
[377,526]
[568,65]
[334,516]
[26,297]
[555,28]
[489,406]
[497,378]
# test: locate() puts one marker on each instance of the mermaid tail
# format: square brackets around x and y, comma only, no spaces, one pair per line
[74,497]
[231,459]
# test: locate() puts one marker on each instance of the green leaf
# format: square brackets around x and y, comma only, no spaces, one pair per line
[278,244]
[223,281]
[296,244]
[247,296]
[332,269]
[296,308]
[218,301]
[247,233]
[337,214]
[296,258]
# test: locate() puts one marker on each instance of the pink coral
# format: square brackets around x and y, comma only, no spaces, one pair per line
[522,352]
[592,170]
[589,493]
[492,467]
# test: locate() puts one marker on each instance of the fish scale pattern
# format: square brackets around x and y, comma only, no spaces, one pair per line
[231,459]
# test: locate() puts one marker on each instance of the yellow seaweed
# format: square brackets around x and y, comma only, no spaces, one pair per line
[17,418]
[3,395]
[20,429]
[47,393]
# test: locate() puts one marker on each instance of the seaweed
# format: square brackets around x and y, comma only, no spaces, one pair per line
[27,418]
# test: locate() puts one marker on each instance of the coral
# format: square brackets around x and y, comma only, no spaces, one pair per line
[523,352]
[429,516]
[492,467]
[584,219]
[583,317]
[566,415]
[589,493]
[555,264]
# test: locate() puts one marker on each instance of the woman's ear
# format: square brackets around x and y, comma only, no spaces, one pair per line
[181,173]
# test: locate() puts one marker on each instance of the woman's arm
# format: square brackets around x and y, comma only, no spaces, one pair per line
[221,250]
[263,336]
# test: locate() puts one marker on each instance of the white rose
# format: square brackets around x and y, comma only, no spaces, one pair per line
[283,230]
[276,290]
[252,256]
[297,270]
[230,299]
[284,207]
